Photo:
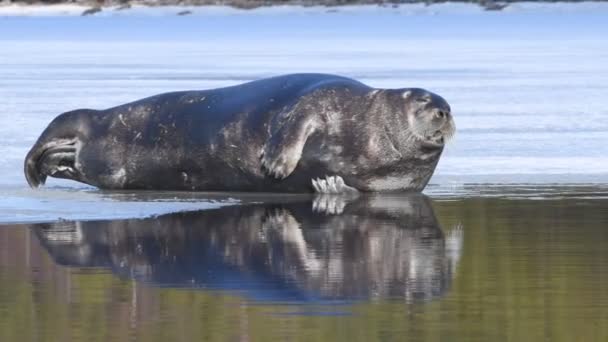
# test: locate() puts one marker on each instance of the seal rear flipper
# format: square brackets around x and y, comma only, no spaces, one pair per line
[56,158]
[55,152]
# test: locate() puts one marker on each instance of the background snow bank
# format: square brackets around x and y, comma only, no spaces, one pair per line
[406,9]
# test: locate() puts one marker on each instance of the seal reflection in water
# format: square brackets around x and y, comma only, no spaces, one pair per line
[293,133]
[369,248]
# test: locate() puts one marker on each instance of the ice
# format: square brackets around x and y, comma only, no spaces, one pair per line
[19,205]
[527,85]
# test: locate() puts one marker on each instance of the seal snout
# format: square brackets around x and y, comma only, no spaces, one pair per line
[447,130]
[435,127]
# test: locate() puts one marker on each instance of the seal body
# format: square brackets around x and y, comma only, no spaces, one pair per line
[292,133]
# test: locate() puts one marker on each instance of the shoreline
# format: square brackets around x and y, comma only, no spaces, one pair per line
[181,8]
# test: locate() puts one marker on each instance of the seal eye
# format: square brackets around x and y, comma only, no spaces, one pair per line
[423,99]
[442,114]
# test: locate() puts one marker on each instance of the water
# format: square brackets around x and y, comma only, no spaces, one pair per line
[510,245]
[370,268]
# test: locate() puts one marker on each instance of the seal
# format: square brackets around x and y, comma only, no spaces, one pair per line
[292,133]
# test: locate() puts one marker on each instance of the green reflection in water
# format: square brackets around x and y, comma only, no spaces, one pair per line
[527,270]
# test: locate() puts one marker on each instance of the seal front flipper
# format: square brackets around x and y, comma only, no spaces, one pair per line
[332,185]
[283,150]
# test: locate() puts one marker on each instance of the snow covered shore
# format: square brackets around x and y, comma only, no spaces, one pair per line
[12,9]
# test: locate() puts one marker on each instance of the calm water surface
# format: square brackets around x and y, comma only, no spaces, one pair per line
[325,268]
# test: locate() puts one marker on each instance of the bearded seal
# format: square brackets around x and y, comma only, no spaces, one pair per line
[293,133]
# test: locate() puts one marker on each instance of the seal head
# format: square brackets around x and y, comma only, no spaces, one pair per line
[429,117]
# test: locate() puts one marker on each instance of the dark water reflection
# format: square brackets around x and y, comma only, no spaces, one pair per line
[371,268]
[331,248]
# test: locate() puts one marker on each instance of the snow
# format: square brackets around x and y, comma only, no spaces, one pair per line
[281,10]
[527,85]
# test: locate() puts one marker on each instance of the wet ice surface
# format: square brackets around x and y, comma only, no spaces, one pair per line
[527,87]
